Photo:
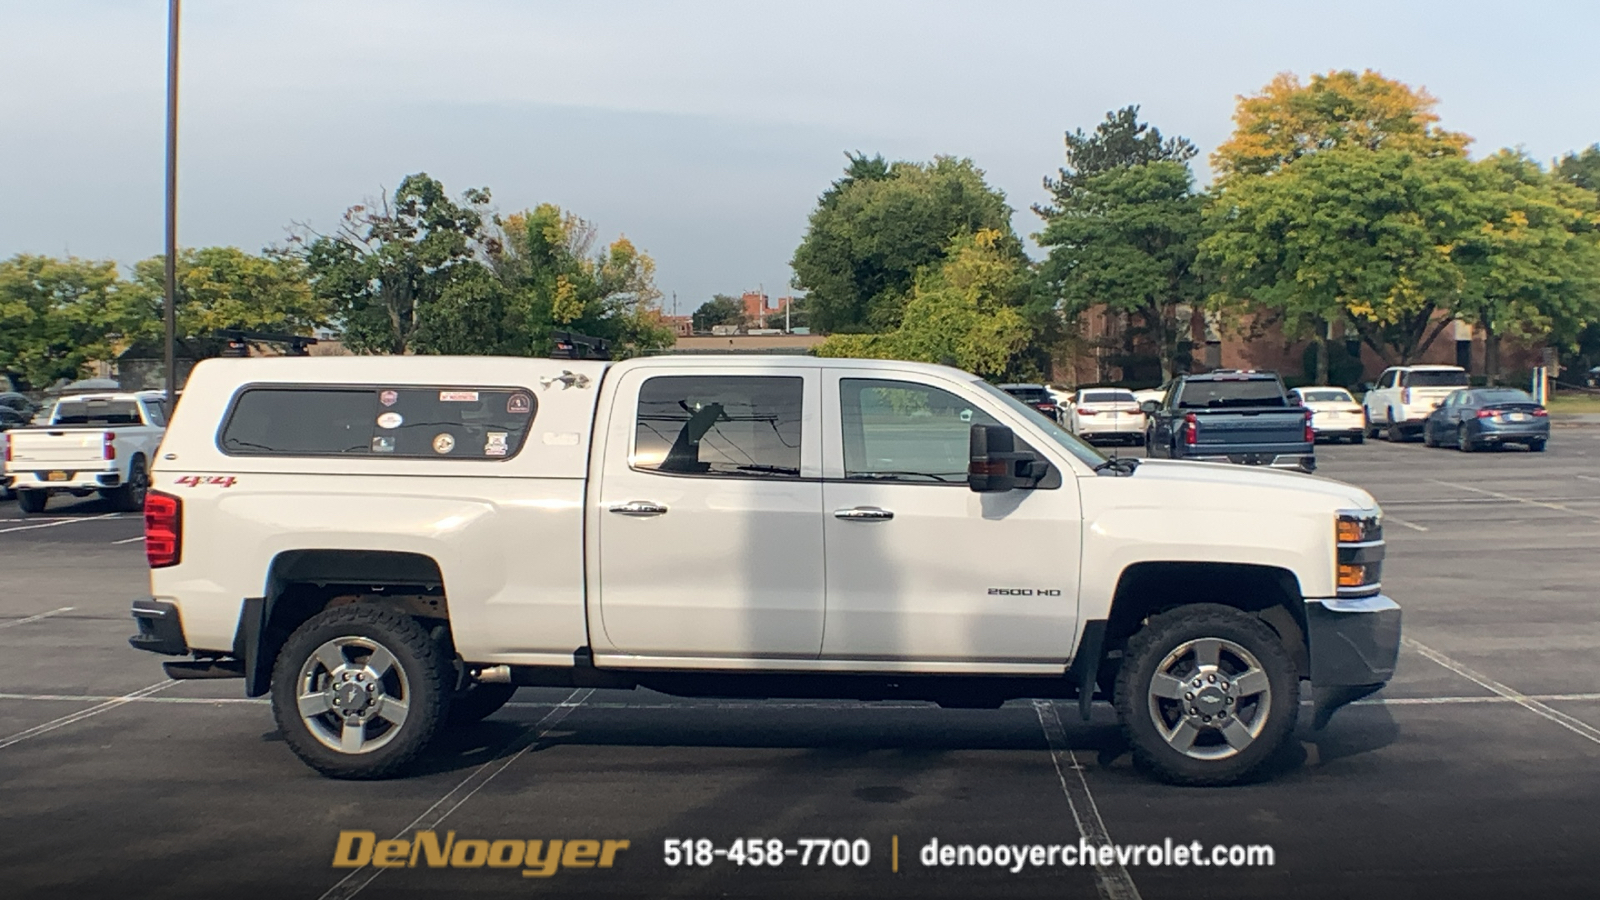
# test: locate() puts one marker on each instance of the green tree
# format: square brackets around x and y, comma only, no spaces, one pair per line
[217,288]
[719,310]
[1581,169]
[1340,110]
[1122,231]
[1349,234]
[874,229]
[404,276]
[1532,269]
[55,315]
[554,278]
[962,311]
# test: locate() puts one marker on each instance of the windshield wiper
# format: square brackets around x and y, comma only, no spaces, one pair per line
[895,476]
[1118,466]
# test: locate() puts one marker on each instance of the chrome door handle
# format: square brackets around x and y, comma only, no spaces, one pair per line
[639,508]
[863,514]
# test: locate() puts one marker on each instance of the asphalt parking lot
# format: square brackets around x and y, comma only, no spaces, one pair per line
[1476,773]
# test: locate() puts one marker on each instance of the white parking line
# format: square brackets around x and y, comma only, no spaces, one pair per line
[43,615]
[349,886]
[1540,503]
[1113,882]
[82,714]
[1589,478]
[129,540]
[1399,521]
[1576,726]
[60,522]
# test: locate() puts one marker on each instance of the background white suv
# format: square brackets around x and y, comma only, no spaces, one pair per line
[1405,395]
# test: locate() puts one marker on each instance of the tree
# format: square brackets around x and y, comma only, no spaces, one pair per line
[1581,169]
[874,229]
[1342,109]
[1122,230]
[719,310]
[1120,142]
[54,316]
[217,288]
[403,275]
[1348,234]
[554,278]
[1532,270]
[962,311]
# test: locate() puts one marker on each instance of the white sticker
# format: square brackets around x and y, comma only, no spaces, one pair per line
[443,443]
[390,420]
[561,438]
[458,396]
[496,443]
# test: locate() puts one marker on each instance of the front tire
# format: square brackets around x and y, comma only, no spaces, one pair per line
[1206,694]
[360,691]
[1427,436]
[33,502]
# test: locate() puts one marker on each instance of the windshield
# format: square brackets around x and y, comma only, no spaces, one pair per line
[1437,378]
[1254,392]
[1327,396]
[1106,397]
[1083,452]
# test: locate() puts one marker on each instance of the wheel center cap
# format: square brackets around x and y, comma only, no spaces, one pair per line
[1211,701]
[351,696]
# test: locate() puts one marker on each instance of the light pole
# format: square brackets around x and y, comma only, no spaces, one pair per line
[170,311]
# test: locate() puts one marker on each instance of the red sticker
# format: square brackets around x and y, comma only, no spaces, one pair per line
[389,398]
[519,404]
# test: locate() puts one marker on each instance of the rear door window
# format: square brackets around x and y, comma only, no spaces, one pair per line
[1108,397]
[730,425]
[1435,378]
[411,422]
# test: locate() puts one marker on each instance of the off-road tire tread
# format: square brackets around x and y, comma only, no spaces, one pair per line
[431,687]
[1197,620]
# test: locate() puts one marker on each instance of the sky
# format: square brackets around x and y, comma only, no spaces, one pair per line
[704,132]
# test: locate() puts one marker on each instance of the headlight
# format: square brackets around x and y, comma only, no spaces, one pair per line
[1359,536]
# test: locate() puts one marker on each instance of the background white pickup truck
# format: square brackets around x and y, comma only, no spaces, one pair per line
[89,443]
[387,545]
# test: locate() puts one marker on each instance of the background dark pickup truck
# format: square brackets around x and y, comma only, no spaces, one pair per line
[1238,417]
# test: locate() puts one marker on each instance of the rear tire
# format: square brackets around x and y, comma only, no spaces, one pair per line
[1394,432]
[130,496]
[33,502]
[479,701]
[1358,438]
[1464,443]
[343,678]
[1242,711]
[1536,446]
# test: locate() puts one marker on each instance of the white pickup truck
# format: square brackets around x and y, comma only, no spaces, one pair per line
[391,545]
[89,443]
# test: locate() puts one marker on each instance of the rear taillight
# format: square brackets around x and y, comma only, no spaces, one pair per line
[1487,413]
[1191,429]
[1541,411]
[7,441]
[1405,396]
[1311,433]
[108,449]
[1086,412]
[163,529]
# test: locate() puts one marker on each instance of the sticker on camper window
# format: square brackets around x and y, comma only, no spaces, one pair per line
[389,398]
[383,445]
[495,443]
[458,396]
[390,420]
[519,404]
[443,443]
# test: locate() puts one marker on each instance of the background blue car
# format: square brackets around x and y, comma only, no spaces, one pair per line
[1474,418]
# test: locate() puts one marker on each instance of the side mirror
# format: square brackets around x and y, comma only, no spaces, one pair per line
[994,462]
[1149,407]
